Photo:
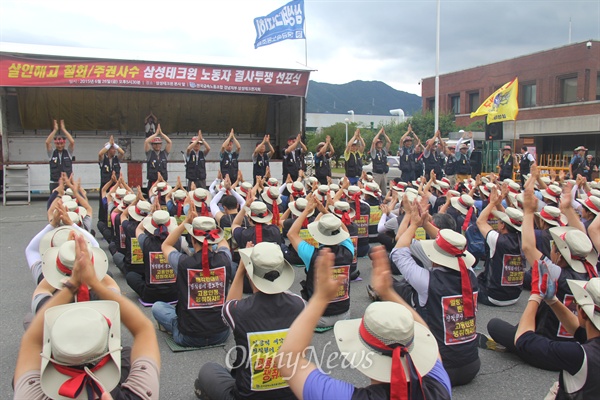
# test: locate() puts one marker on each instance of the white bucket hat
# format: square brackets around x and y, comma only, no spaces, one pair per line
[297,207]
[72,206]
[592,203]
[553,216]
[352,190]
[205,228]
[441,185]
[587,295]
[463,203]
[117,195]
[512,217]
[487,188]
[328,230]
[576,248]
[126,201]
[372,189]
[322,193]
[244,188]
[513,187]
[162,187]
[385,324]
[270,195]
[179,194]
[161,220]
[296,189]
[140,210]
[447,237]
[552,193]
[200,197]
[273,182]
[78,334]
[339,208]
[55,238]
[267,269]
[258,212]
[334,187]
[58,262]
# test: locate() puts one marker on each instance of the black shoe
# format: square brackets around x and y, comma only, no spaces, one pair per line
[198,392]
[372,294]
[93,232]
[486,343]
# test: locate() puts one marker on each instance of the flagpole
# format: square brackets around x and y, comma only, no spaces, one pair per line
[437,70]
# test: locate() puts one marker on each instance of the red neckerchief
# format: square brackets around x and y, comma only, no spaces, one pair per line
[588,202]
[356,198]
[214,235]
[465,281]
[589,268]
[399,389]
[161,231]
[80,379]
[469,214]
[83,292]
[179,207]
[258,230]
[305,223]
[275,208]
[345,216]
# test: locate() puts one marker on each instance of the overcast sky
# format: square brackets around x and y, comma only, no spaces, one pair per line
[391,41]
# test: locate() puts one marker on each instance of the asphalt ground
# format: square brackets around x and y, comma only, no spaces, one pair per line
[502,375]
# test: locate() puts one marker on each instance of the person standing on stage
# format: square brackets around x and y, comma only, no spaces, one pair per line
[109,158]
[229,157]
[60,158]
[195,162]
[156,157]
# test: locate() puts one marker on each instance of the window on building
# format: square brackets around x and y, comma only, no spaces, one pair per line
[598,87]
[528,95]
[473,101]
[568,90]
[431,104]
[455,104]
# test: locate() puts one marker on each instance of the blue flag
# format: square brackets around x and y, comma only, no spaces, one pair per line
[284,23]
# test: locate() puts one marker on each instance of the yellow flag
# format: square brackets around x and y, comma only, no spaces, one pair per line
[502,105]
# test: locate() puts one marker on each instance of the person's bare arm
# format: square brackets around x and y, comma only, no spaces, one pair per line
[70,139]
[148,140]
[235,142]
[50,137]
[482,222]
[294,232]
[527,228]
[567,208]
[594,232]
[236,291]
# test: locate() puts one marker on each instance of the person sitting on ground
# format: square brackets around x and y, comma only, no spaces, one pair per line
[328,231]
[196,320]
[578,361]
[47,358]
[571,257]
[260,228]
[176,202]
[158,281]
[131,259]
[447,290]
[403,353]
[265,315]
[501,281]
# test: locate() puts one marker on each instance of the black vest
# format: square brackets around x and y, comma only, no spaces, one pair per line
[579,166]
[505,282]
[463,165]
[353,165]
[157,163]
[158,274]
[322,166]
[591,387]
[256,314]
[455,334]
[380,165]
[290,165]
[418,164]
[229,165]
[343,257]
[365,209]
[434,163]
[259,167]
[270,233]
[60,162]
[129,228]
[407,161]
[525,164]
[451,165]
[506,168]
[547,323]
[195,166]
[194,321]
[106,170]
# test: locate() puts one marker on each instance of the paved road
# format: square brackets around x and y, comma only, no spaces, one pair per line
[502,376]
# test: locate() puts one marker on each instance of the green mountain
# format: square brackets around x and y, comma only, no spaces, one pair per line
[363,97]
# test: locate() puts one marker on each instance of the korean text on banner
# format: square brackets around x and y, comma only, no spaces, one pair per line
[286,22]
[502,105]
